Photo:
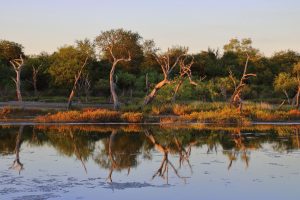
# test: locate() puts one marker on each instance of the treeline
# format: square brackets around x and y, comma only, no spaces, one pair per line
[120,63]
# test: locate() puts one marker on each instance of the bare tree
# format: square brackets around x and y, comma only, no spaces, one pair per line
[77,77]
[18,64]
[236,99]
[167,61]
[185,70]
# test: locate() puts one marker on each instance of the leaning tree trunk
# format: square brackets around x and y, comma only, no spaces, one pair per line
[77,77]
[112,88]
[158,86]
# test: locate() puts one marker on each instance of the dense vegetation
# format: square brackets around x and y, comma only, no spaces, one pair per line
[121,63]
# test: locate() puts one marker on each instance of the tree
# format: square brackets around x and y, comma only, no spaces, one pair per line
[37,67]
[69,64]
[236,99]
[10,50]
[86,49]
[167,61]
[12,53]
[241,47]
[118,45]
[284,82]
[17,65]
[236,53]
[185,71]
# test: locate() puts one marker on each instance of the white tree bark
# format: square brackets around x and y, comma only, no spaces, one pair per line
[17,65]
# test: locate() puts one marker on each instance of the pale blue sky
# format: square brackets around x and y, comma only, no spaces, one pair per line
[45,25]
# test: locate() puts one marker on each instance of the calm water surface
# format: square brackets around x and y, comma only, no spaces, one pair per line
[149,162]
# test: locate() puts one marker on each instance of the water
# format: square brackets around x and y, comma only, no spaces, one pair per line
[149,162]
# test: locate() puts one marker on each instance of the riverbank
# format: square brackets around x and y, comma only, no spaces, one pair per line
[196,112]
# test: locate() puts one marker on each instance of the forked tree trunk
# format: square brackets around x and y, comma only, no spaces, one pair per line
[18,65]
[153,93]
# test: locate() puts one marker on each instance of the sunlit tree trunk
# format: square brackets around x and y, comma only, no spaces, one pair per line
[77,77]
[112,87]
[18,65]
[153,93]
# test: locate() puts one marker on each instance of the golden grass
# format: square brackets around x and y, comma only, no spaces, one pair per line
[92,115]
[87,115]
[132,117]
[222,116]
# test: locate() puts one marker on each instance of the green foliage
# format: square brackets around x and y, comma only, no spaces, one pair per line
[57,71]
[120,43]
[68,61]
[10,50]
[125,80]
[285,82]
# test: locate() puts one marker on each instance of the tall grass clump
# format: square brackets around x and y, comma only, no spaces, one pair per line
[87,115]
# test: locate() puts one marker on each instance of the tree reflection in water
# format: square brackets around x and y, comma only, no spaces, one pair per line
[17,165]
[121,146]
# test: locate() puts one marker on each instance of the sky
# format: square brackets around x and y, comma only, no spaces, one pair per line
[46,25]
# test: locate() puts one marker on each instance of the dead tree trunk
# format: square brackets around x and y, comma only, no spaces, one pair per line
[35,72]
[153,93]
[165,63]
[18,65]
[236,99]
[185,70]
[77,77]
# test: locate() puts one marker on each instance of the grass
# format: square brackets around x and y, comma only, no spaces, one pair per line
[91,115]
[200,112]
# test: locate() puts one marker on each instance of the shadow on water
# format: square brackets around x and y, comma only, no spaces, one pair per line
[123,148]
